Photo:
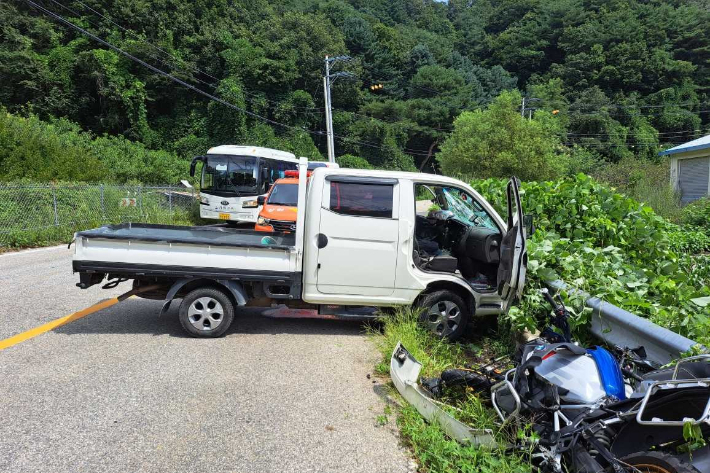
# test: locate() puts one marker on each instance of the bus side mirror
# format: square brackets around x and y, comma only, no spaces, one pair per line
[194,163]
[529,225]
[260,200]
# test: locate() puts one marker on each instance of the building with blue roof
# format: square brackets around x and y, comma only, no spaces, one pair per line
[690,168]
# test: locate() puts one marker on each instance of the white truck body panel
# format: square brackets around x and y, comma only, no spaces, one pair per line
[169,254]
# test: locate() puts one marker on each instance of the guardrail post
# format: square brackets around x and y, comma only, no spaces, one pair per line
[54,199]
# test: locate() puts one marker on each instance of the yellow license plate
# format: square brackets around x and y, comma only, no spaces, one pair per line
[224,216]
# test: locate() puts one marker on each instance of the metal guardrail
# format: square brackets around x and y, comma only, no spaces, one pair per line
[619,327]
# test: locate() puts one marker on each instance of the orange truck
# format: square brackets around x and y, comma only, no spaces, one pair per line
[278,211]
[278,207]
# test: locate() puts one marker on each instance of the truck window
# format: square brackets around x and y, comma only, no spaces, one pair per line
[364,200]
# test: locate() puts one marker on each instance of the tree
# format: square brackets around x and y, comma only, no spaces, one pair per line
[498,142]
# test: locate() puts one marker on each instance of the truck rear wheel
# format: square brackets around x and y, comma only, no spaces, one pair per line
[444,312]
[206,312]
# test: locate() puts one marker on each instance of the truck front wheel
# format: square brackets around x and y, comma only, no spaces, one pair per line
[206,312]
[443,312]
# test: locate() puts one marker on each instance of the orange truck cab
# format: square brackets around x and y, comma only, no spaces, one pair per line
[278,213]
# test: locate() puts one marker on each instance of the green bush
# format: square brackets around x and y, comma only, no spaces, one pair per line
[32,149]
[350,161]
[645,181]
[697,214]
[37,215]
[498,142]
[611,246]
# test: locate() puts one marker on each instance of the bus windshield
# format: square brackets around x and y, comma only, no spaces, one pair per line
[233,175]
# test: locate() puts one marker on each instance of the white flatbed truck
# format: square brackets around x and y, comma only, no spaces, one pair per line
[364,239]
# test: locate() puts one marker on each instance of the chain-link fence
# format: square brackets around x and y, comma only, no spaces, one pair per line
[32,215]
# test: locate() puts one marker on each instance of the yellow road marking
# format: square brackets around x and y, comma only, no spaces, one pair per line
[21,337]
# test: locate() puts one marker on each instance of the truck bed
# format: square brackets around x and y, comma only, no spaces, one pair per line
[132,249]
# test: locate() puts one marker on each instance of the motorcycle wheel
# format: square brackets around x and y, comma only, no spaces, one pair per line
[656,462]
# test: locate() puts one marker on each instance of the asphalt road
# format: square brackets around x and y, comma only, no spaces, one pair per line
[122,390]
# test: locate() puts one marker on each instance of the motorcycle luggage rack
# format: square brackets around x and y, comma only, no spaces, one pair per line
[675,383]
[505,384]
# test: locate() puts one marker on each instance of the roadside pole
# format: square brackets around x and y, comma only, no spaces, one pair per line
[327,82]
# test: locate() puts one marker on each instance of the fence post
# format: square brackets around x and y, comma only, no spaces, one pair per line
[170,202]
[54,199]
[140,200]
[103,209]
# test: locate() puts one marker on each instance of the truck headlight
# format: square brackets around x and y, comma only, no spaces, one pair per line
[263,221]
[250,204]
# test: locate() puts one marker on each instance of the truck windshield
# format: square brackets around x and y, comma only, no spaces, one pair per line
[284,194]
[466,209]
[230,175]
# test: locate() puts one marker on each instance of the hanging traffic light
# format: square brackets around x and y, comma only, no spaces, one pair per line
[376,87]
[555,112]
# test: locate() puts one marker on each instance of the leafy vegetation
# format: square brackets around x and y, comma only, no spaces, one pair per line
[498,142]
[603,81]
[31,149]
[37,215]
[613,247]
[433,449]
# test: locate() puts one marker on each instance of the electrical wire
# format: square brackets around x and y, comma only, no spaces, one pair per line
[210,96]
[187,64]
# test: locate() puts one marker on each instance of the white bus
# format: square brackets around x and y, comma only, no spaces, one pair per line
[233,178]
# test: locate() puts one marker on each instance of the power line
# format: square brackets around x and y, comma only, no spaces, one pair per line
[189,65]
[198,90]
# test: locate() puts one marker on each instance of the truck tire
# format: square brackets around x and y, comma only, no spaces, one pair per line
[657,462]
[206,312]
[444,312]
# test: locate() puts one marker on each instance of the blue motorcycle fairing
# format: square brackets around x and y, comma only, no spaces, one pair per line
[609,372]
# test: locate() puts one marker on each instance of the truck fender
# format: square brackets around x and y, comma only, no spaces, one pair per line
[233,287]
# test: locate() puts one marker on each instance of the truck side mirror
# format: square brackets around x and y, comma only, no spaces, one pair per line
[260,200]
[529,225]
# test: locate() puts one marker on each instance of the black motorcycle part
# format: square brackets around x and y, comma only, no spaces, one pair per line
[661,461]
[632,436]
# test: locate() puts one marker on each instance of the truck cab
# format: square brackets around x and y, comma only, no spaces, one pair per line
[362,239]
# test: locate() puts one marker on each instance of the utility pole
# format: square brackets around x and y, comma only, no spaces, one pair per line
[327,82]
[525,106]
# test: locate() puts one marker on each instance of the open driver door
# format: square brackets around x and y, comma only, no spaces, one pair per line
[513,250]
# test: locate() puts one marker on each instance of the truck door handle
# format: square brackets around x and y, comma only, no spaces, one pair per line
[321,241]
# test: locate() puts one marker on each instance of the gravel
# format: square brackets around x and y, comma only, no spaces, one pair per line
[123,390]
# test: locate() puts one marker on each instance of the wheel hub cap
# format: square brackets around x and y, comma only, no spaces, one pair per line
[205,313]
[443,317]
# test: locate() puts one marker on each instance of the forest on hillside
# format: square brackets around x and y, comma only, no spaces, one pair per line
[603,80]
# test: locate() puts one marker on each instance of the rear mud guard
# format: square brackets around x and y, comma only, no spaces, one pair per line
[234,288]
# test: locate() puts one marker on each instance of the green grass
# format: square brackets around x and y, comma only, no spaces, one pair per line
[28,217]
[434,451]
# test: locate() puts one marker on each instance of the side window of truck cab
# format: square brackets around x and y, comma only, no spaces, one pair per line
[358,235]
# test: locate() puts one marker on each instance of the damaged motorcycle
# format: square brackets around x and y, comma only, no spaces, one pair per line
[596,411]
